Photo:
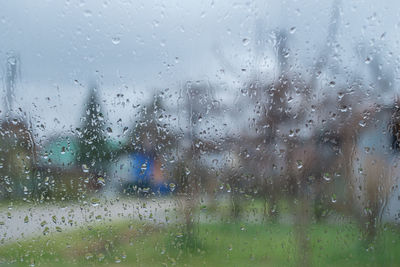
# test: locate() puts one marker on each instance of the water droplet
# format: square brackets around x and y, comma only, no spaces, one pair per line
[95,202]
[46,230]
[245,41]
[85,168]
[87,13]
[299,164]
[228,188]
[101,181]
[286,54]
[367,60]
[146,190]
[327,177]
[26,219]
[172,187]
[100,257]
[116,40]
[292,30]
[12,60]
[187,171]
[362,123]
[343,108]
[143,168]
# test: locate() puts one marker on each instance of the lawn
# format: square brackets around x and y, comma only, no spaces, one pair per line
[216,244]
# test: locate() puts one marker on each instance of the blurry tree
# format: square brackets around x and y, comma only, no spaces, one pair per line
[284,125]
[191,172]
[371,160]
[93,151]
[151,133]
[17,146]
[152,137]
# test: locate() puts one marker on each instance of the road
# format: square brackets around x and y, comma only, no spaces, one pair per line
[22,222]
[27,221]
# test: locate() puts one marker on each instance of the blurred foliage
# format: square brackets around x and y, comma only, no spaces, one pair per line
[94,153]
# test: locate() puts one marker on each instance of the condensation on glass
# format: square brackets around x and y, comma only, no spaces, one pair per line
[188,133]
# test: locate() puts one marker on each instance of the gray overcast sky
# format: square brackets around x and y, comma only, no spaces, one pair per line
[132,46]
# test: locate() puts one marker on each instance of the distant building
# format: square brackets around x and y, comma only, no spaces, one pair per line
[138,173]
[59,152]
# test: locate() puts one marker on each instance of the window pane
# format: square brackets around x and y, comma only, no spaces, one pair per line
[246,133]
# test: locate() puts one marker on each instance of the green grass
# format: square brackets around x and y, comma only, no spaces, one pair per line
[216,244]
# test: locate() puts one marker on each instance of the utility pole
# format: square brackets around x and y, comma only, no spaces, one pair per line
[12,66]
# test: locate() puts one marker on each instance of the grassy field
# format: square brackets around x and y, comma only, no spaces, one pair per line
[216,244]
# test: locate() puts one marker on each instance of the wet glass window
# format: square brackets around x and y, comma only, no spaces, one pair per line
[199,133]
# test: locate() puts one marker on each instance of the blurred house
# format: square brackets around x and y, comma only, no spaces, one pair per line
[139,173]
[376,165]
[59,153]
[139,167]
[17,153]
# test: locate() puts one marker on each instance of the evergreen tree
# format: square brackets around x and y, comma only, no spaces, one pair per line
[151,134]
[93,154]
